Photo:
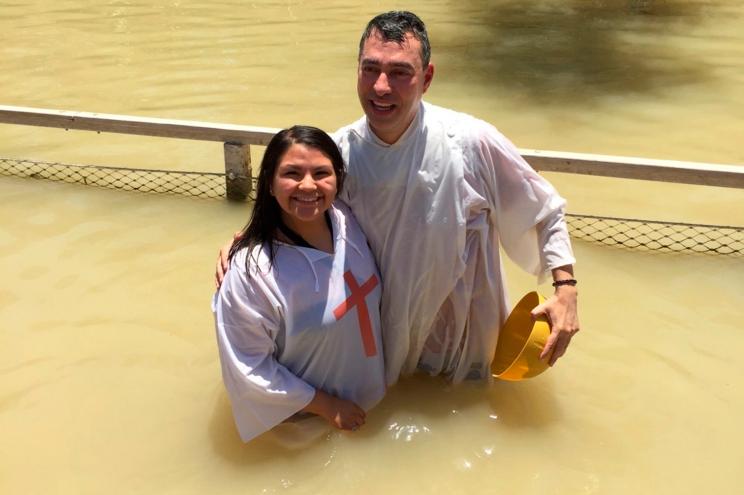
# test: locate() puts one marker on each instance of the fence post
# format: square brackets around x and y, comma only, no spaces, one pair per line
[238,182]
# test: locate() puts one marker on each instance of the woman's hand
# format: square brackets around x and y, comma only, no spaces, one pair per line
[340,413]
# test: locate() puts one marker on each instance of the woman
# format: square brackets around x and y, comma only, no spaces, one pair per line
[297,315]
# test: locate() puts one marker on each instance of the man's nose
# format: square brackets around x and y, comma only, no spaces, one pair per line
[382,85]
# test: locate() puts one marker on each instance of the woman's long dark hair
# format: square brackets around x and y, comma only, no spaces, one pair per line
[266,215]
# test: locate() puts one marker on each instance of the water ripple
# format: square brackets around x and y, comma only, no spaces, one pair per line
[407,432]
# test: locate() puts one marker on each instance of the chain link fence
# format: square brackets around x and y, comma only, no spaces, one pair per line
[197,184]
[653,235]
[647,235]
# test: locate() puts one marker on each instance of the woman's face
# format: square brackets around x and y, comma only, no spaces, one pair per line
[304,185]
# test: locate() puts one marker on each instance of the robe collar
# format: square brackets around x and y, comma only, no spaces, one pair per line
[339,234]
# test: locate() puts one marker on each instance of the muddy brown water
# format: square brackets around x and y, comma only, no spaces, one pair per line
[109,378]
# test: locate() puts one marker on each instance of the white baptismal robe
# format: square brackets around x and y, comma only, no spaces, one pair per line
[310,321]
[435,205]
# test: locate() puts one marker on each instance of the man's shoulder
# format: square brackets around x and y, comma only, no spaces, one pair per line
[462,130]
[437,112]
[456,123]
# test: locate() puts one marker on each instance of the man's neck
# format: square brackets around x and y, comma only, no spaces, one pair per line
[393,137]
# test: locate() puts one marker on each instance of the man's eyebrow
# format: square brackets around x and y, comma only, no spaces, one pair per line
[370,61]
[374,61]
[403,65]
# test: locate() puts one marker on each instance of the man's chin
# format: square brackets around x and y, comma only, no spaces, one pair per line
[388,130]
[384,124]
[381,119]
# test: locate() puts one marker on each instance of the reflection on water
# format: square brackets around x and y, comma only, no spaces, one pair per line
[108,368]
[560,52]
[638,78]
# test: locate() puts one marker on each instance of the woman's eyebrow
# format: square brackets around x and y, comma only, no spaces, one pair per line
[314,166]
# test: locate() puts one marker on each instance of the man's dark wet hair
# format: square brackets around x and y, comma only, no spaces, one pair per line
[394,25]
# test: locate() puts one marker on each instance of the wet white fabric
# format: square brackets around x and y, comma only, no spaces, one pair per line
[299,325]
[435,206]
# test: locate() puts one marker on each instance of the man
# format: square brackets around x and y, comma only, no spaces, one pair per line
[436,192]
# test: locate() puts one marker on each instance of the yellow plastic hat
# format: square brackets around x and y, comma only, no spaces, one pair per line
[521,341]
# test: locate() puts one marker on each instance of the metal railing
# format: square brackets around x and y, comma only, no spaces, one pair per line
[237,140]
[236,183]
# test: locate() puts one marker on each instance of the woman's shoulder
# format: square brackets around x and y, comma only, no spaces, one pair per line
[251,260]
[250,276]
[345,218]
[339,207]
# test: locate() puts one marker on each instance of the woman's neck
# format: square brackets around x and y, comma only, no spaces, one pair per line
[316,233]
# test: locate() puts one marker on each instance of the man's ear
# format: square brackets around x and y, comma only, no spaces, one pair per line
[428,76]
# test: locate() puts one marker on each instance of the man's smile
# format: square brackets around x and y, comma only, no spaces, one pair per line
[379,106]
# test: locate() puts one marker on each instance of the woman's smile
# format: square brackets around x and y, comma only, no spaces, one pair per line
[304,185]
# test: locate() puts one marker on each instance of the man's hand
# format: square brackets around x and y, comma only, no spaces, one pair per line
[561,312]
[340,413]
[223,263]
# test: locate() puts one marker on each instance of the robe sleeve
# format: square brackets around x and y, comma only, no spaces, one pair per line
[263,392]
[526,209]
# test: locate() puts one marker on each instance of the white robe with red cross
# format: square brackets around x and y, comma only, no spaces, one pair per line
[435,207]
[311,321]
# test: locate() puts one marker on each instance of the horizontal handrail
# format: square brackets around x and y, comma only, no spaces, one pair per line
[707,174]
[142,126]
[545,161]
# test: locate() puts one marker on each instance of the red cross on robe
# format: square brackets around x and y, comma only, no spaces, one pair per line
[357,298]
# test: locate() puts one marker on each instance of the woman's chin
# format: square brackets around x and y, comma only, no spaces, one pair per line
[307,214]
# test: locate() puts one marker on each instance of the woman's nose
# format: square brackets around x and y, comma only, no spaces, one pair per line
[307,182]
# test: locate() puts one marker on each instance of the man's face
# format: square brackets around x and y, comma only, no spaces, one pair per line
[391,80]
